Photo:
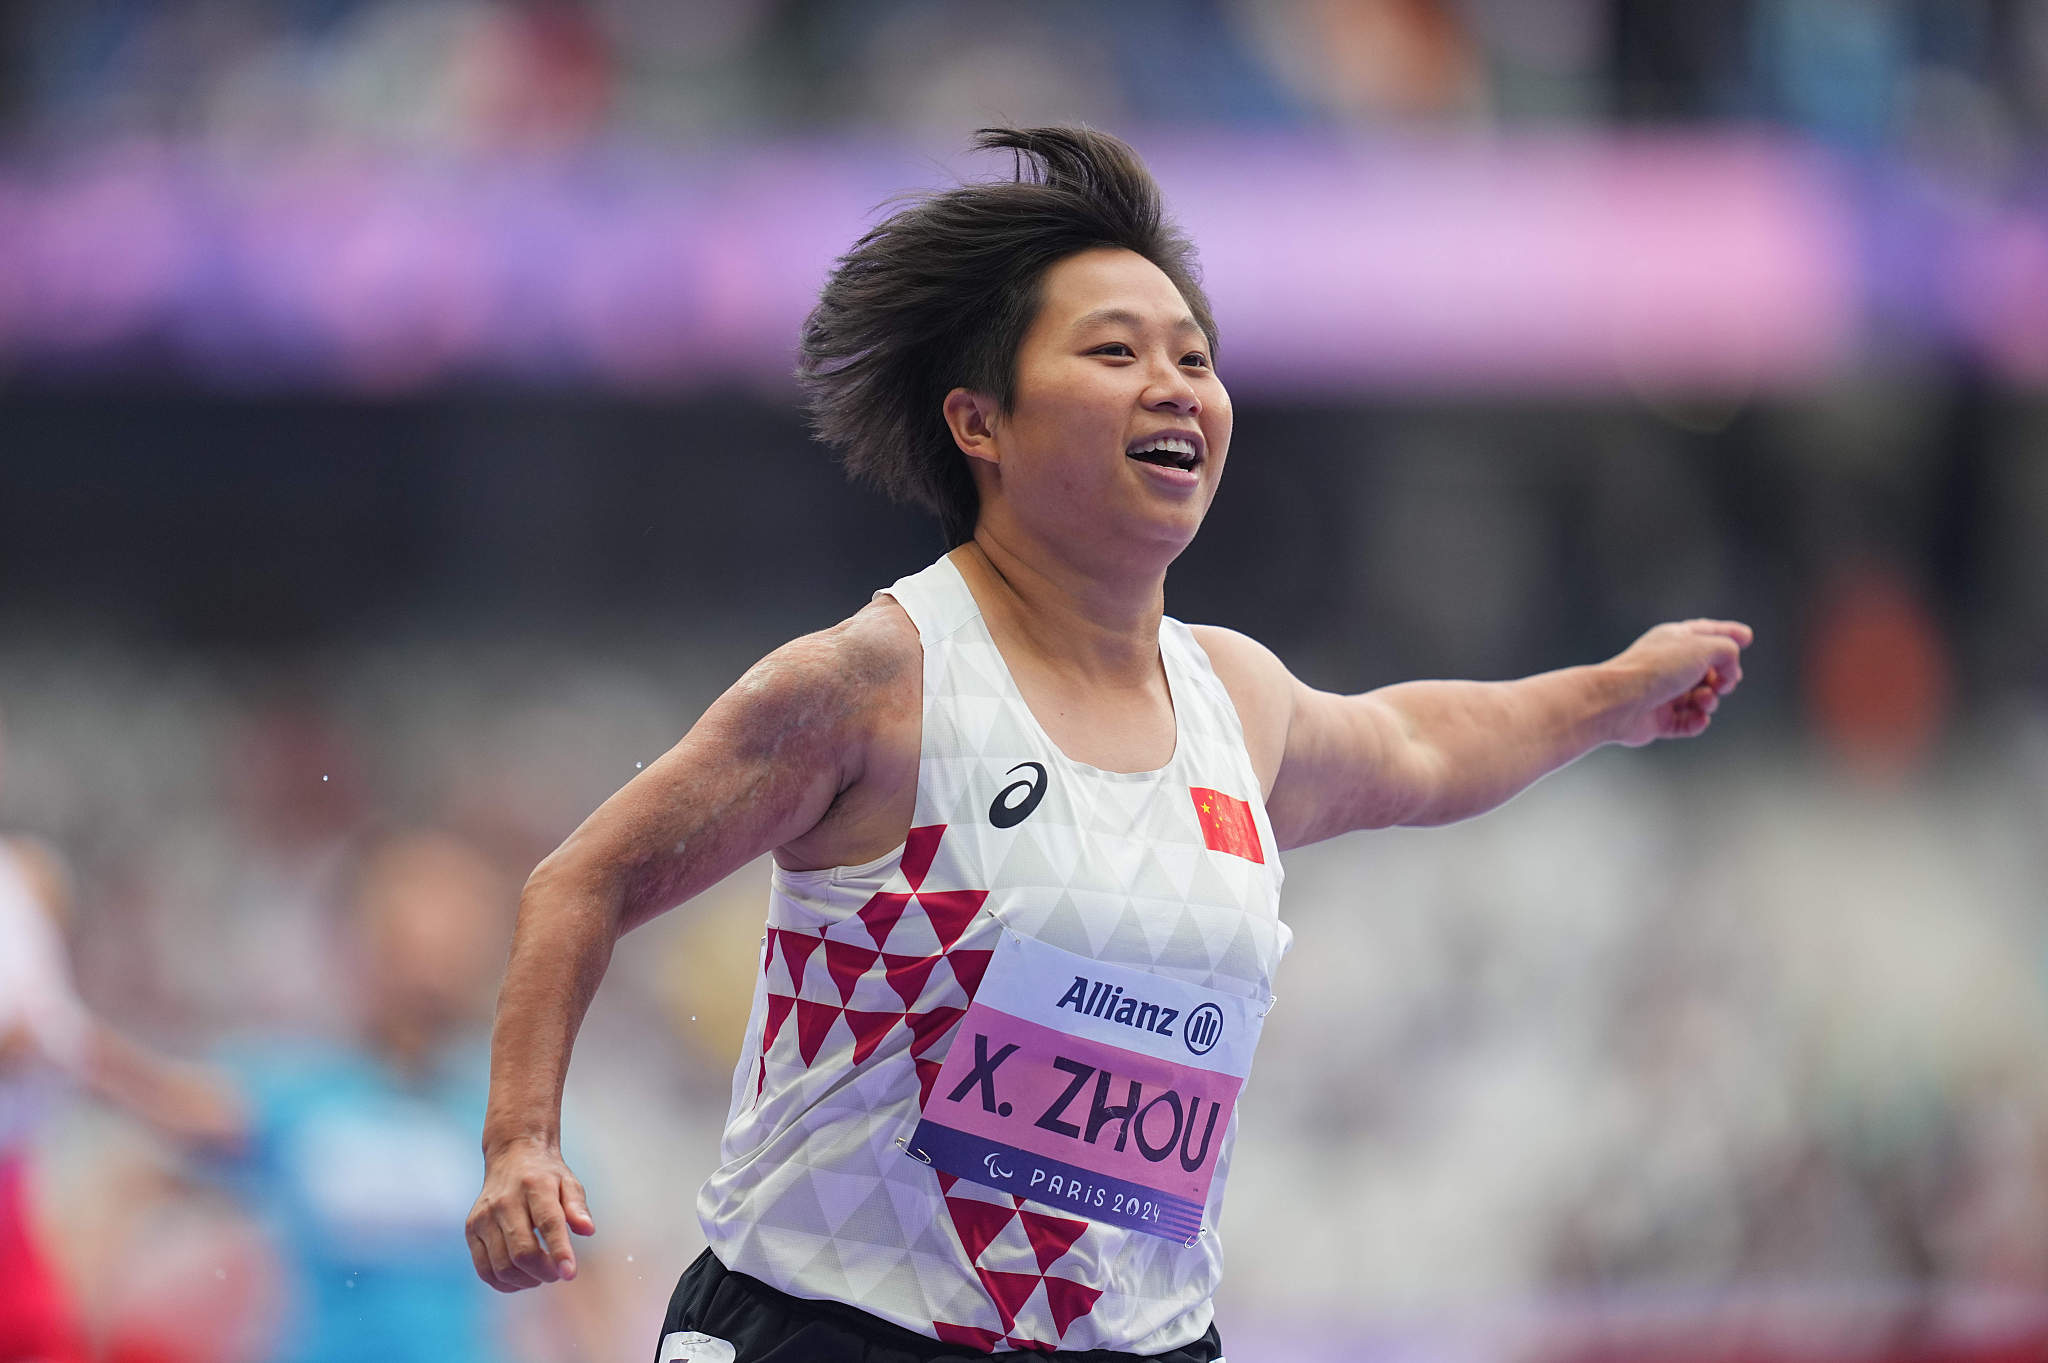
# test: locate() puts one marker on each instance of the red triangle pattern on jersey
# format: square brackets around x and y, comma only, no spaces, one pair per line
[927,1028]
[868,1031]
[920,845]
[1009,1291]
[881,912]
[1051,1237]
[973,1336]
[847,962]
[813,1020]
[978,1224]
[1069,1301]
[907,975]
[778,1013]
[968,968]
[950,911]
[796,953]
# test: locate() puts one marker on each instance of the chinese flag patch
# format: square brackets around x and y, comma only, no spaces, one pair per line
[1227,824]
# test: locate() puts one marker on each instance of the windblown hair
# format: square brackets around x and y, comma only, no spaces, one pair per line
[940,295]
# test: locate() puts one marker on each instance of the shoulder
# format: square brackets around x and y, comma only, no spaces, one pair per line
[867,668]
[851,695]
[1261,688]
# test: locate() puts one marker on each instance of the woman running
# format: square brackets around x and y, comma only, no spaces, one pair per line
[1023,922]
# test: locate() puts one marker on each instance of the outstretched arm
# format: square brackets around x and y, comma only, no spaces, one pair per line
[764,767]
[1434,752]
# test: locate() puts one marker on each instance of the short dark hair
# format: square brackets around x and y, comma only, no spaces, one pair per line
[939,297]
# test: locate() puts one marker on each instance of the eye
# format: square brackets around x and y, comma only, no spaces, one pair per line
[1196,359]
[1119,346]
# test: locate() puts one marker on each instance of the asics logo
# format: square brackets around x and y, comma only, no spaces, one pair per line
[1013,803]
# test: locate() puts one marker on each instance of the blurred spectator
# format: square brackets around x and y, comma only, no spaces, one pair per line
[360,1156]
[47,1037]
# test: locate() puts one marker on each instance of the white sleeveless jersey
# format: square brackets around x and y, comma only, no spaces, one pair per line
[867,971]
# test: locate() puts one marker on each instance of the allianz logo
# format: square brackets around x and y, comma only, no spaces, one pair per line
[1097,999]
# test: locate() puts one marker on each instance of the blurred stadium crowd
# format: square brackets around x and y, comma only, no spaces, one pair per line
[464,75]
[1726,1053]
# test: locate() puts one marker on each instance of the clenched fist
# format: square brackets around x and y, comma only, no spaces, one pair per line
[1674,677]
[519,1228]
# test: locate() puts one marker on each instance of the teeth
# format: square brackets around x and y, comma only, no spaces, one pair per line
[1173,444]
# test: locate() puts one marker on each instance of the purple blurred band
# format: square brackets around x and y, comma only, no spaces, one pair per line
[1515,264]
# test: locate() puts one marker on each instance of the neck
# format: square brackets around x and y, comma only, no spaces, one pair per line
[1103,625]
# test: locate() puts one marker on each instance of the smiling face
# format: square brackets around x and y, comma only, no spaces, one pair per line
[1118,429]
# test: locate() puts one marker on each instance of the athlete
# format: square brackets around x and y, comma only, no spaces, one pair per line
[1022,923]
[50,1043]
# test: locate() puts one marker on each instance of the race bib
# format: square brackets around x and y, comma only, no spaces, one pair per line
[1097,1089]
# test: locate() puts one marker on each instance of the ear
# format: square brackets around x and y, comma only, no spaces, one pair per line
[971,417]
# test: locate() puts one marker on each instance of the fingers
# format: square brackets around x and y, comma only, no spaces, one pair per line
[489,1266]
[494,1234]
[1742,634]
[1689,714]
[519,1229]
[551,1228]
[493,1260]
[1724,671]
[529,1255]
[578,1208]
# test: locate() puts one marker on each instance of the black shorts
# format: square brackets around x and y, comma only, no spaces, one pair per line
[768,1326]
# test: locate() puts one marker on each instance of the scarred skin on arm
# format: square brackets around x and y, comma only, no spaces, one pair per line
[806,756]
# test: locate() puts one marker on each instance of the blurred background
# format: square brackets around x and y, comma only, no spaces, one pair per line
[397,449]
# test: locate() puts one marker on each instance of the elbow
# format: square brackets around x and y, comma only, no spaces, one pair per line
[573,878]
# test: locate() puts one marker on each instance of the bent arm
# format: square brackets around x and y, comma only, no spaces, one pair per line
[1434,752]
[763,767]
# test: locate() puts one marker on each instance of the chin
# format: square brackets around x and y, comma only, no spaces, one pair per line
[1167,537]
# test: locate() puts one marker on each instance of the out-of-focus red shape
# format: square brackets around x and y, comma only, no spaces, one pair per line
[204,1290]
[1878,675]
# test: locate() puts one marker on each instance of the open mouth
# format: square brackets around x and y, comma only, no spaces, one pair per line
[1167,451]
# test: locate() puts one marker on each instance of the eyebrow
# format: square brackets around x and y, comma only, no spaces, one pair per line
[1131,319]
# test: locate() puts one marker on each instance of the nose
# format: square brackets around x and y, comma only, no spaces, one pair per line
[1172,390]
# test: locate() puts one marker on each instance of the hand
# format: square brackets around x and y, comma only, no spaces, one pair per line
[1675,677]
[527,1189]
